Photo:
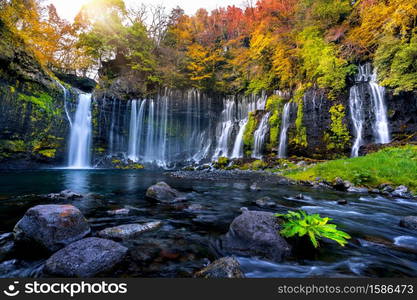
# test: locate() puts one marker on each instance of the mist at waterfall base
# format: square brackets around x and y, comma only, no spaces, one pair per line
[182,245]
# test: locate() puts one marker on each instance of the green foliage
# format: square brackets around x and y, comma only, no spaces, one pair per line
[222,162]
[274,104]
[255,165]
[250,128]
[300,223]
[42,100]
[339,133]
[396,166]
[50,153]
[321,62]
[300,136]
[396,62]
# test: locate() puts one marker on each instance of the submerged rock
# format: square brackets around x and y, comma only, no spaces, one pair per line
[194,207]
[127,231]
[254,187]
[64,195]
[255,233]
[409,222]
[85,258]
[353,189]
[51,227]
[265,202]
[162,192]
[300,197]
[225,267]
[121,211]
[342,202]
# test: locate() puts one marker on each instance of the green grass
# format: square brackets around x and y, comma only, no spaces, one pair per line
[395,166]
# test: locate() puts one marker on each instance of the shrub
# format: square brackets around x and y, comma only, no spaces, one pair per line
[300,223]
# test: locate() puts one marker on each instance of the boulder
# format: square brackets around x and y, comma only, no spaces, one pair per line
[341,185]
[386,188]
[51,227]
[409,222]
[128,231]
[225,267]
[6,245]
[88,257]
[401,192]
[255,233]
[162,192]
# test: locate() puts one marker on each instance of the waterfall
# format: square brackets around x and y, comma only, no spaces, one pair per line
[238,146]
[80,137]
[225,128]
[380,111]
[65,92]
[285,123]
[178,127]
[135,129]
[377,107]
[259,136]
[357,115]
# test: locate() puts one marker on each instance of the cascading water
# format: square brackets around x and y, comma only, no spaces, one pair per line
[377,108]
[176,128]
[357,115]
[65,92]
[380,111]
[80,137]
[225,128]
[285,123]
[259,136]
[135,129]
[238,146]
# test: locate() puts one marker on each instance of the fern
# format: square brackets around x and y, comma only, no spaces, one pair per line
[300,223]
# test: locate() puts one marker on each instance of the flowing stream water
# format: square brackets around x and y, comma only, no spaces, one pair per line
[379,246]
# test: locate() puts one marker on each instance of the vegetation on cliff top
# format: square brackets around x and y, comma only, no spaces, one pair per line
[270,45]
[392,165]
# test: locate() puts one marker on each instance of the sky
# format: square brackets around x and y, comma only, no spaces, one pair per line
[69,8]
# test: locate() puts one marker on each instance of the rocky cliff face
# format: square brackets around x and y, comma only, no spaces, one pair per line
[32,122]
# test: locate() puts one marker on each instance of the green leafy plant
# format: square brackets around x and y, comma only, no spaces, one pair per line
[300,223]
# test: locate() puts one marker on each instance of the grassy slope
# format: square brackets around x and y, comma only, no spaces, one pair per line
[396,166]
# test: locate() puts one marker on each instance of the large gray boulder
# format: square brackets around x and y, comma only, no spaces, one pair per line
[85,258]
[256,233]
[225,267]
[409,222]
[162,192]
[51,227]
[7,245]
[127,231]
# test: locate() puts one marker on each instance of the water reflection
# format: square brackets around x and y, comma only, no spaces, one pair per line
[77,181]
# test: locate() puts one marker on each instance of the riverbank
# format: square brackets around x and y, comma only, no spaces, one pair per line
[392,166]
